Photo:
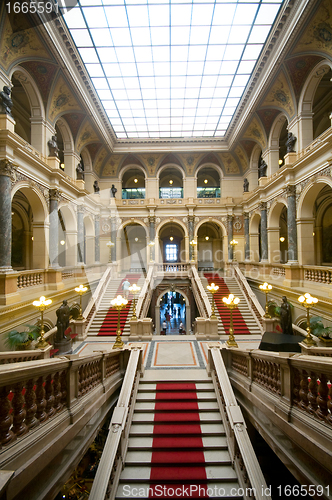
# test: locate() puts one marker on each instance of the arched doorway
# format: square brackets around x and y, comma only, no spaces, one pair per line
[172,312]
[132,241]
[209,247]
[172,243]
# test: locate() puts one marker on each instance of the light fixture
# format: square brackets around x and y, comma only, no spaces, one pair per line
[170,181]
[171,238]
[13,213]
[281,161]
[193,242]
[62,242]
[266,288]
[134,289]
[207,238]
[233,244]
[118,303]
[62,166]
[42,303]
[213,289]
[136,181]
[282,239]
[81,290]
[308,302]
[136,239]
[32,238]
[205,181]
[231,302]
[110,244]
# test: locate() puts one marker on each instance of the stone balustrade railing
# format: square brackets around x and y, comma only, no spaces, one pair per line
[144,298]
[251,298]
[27,279]
[27,355]
[93,304]
[321,275]
[242,454]
[200,294]
[114,453]
[173,267]
[293,392]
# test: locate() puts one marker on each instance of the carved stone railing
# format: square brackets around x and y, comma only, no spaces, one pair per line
[27,279]
[95,300]
[54,398]
[289,396]
[20,356]
[242,454]
[251,298]
[200,294]
[321,275]
[277,271]
[173,267]
[144,298]
[114,453]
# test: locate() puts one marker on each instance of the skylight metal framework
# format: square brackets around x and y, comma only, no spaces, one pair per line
[170,69]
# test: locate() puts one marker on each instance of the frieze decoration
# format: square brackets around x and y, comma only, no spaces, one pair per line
[170,201]
[42,189]
[105,227]
[8,169]
[318,34]
[299,187]
[62,99]
[87,134]
[133,202]
[237,224]
[255,132]
[280,96]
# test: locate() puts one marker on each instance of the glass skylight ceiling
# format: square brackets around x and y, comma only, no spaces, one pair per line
[170,69]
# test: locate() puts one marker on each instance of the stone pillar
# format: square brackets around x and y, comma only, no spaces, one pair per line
[80,235]
[191,219]
[246,236]
[97,238]
[6,174]
[291,223]
[114,239]
[264,245]
[230,236]
[53,251]
[152,223]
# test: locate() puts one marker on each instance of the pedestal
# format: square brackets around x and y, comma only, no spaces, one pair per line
[78,328]
[63,346]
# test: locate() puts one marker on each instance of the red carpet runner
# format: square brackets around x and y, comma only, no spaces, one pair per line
[110,322]
[240,327]
[177,458]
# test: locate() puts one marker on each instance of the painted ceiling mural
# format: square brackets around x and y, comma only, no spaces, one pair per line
[93,149]
[244,162]
[21,43]
[74,121]
[256,133]
[190,160]
[86,135]
[111,167]
[229,163]
[318,34]
[267,117]
[298,69]
[248,147]
[44,74]
[280,96]
[62,99]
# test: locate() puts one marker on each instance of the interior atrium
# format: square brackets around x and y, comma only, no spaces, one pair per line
[159,161]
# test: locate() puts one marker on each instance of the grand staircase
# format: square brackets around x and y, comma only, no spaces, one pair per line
[177,443]
[106,317]
[243,318]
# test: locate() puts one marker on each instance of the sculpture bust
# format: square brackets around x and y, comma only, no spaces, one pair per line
[113,191]
[53,146]
[291,139]
[245,185]
[96,188]
[6,102]
[79,172]
[286,317]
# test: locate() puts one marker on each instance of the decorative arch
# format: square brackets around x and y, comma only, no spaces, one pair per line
[35,198]
[170,288]
[215,221]
[308,196]
[125,168]
[67,136]
[31,90]
[275,211]
[310,86]
[132,221]
[171,165]
[174,222]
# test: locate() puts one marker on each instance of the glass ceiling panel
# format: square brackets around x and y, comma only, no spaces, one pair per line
[170,68]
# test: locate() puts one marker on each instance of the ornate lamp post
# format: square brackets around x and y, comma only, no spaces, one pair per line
[151,245]
[193,243]
[81,290]
[266,288]
[134,289]
[231,302]
[213,289]
[42,303]
[119,303]
[233,244]
[308,302]
[110,244]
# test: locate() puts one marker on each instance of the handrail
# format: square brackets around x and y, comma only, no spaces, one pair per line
[251,298]
[144,297]
[115,449]
[197,286]
[95,300]
[240,447]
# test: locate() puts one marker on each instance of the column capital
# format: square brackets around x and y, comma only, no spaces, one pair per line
[290,190]
[54,194]
[7,168]
[246,215]
[152,219]
[230,217]
[263,205]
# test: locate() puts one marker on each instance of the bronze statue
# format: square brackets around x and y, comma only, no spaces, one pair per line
[245,185]
[291,139]
[262,169]
[96,188]
[6,102]
[79,172]
[286,317]
[113,191]
[63,315]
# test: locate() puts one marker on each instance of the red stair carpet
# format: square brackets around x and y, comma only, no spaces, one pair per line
[240,327]
[177,456]
[109,326]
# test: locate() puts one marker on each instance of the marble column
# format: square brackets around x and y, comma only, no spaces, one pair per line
[246,236]
[97,238]
[291,223]
[113,239]
[230,236]
[6,173]
[152,225]
[80,235]
[53,251]
[264,246]
[191,219]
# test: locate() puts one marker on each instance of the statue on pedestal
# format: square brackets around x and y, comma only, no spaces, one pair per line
[286,317]
[79,172]
[6,102]
[262,169]
[63,315]
[96,188]
[291,140]
[113,191]
[53,146]
[245,185]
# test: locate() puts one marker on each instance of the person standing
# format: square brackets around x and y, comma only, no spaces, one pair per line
[125,288]
[164,328]
[181,328]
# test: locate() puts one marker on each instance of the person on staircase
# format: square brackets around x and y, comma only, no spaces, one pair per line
[125,288]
